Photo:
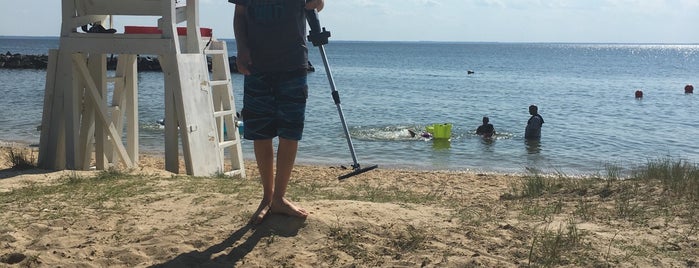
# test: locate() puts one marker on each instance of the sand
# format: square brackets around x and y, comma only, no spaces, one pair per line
[383,218]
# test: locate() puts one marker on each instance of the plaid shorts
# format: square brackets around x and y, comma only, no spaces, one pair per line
[274,104]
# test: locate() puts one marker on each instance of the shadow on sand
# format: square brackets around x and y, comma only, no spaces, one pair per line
[228,252]
[11,172]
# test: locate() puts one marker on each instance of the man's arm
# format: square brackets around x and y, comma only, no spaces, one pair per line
[315,4]
[243,60]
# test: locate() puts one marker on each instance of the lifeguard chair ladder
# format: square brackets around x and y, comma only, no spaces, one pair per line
[198,106]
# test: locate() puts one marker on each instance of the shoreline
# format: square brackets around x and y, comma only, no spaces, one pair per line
[160,156]
[347,163]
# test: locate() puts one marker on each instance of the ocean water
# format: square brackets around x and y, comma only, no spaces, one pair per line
[585,93]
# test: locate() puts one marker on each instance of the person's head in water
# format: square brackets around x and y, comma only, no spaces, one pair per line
[486,120]
[533,109]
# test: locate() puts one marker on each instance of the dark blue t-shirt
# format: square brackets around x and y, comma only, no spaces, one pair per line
[276,34]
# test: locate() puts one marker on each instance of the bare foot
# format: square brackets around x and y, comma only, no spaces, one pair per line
[261,212]
[285,207]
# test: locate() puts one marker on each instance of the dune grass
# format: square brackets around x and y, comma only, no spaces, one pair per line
[21,159]
[662,188]
[551,208]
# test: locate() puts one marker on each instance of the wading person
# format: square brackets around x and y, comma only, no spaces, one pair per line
[533,129]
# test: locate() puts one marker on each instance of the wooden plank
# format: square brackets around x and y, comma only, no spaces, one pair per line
[64,82]
[48,143]
[223,112]
[125,104]
[67,14]
[131,107]
[194,110]
[174,116]
[121,7]
[193,33]
[101,109]
[72,103]
[98,72]
[118,100]
[87,135]
[172,81]
[118,44]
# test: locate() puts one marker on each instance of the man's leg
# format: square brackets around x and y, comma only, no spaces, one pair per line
[264,155]
[286,156]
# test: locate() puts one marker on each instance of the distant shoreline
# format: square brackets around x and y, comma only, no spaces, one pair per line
[421,41]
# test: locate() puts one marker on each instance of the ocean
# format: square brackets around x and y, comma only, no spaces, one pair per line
[585,93]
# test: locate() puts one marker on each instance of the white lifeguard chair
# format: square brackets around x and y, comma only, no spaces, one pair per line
[77,120]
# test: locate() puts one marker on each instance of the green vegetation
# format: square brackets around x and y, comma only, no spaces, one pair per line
[548,228]
[662,188]
[20,159]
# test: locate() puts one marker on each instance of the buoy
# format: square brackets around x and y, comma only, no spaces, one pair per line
[688,89]
[639,94]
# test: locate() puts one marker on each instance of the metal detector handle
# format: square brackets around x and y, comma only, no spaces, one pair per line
[316,36]
[313,22]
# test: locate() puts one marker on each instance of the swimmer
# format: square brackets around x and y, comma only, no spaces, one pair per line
[486,129]
[425,135]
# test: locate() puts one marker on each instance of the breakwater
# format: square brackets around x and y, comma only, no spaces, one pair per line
[144,63]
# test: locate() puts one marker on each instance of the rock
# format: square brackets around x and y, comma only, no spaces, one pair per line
[144,63]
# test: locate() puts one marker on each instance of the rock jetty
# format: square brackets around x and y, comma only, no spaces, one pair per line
[144,63]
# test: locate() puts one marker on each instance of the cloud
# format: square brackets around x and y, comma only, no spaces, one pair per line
[489,3]
[429,3]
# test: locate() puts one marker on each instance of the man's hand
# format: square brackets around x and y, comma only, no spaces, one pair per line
[315,4]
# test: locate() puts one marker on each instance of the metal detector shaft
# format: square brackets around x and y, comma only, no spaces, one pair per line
[336,98]
[320,38]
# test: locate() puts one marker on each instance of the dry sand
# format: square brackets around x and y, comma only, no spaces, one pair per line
[383,218]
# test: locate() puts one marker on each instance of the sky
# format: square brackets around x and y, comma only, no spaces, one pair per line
[577,21]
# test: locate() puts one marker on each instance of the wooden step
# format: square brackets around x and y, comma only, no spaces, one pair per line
[215,47]
[209,51]
[224,113]
[214,83]
[228,143]
[114,79]
[234,173]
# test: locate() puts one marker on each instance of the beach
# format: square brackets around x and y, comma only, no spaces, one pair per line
[148,217]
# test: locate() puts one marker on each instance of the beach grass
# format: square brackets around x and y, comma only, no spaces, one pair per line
[662,188]
[548,209]
[21,159]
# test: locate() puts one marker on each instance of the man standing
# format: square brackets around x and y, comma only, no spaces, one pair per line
[271,39]
[533,130]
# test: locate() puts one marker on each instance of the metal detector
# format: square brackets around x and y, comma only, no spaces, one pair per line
[320,38]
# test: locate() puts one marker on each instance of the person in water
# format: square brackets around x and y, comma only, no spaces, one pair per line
[425,134]
[486,129]
[533,130]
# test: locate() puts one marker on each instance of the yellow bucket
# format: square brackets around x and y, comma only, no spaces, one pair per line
[440,131]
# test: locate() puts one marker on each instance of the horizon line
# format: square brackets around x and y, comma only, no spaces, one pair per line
[441,41]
